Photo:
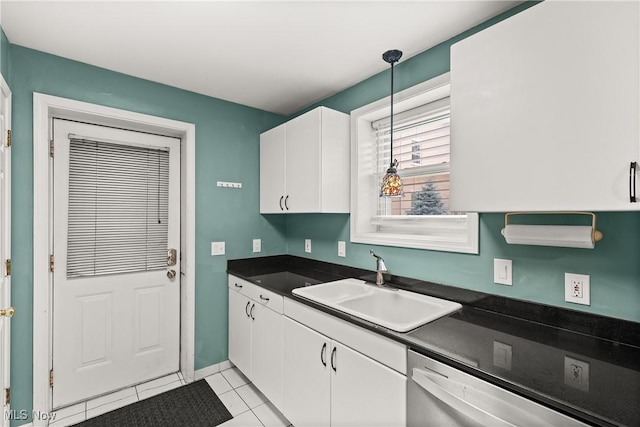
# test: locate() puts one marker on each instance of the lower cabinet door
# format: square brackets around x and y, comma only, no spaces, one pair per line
[306,368]
[266,347]
[364,392]
[240,331]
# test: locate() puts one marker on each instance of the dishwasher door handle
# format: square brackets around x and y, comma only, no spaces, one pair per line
[483,417]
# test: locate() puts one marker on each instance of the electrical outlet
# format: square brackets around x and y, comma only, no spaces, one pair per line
[217,248]
[342,249]
[257,245]
[576,373]
[577,288]
[307,245]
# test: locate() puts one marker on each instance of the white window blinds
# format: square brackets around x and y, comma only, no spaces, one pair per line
[421,146]
[118,208]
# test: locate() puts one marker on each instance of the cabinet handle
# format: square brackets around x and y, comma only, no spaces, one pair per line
[323,353]
[251,312]
[281,208]
[237,286]
[246,309]
[632,182]
[264,298]
[333,359]
[285,202]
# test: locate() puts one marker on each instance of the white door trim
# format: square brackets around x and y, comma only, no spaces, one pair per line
[44,108]
[6,235]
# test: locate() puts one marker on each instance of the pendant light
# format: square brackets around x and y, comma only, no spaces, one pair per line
[391,185]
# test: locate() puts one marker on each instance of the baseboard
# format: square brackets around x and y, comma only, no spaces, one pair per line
[212,369]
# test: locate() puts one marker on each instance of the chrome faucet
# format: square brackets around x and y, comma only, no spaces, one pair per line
[380,268]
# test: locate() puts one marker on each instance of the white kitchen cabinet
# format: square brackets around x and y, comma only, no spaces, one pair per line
[255,336]
[266,353]
[272,170]
[307,392]
[328,383]
[545,110]
[240,331]
[304,164]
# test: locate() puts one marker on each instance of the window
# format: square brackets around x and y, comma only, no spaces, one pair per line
[421,218]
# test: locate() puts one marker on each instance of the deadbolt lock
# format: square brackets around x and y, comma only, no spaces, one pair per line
[171,274]
[172,255]
[8,312]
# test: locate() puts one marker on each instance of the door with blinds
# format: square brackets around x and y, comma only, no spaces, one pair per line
[116,255]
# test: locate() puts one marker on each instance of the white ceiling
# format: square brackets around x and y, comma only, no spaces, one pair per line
[279,56]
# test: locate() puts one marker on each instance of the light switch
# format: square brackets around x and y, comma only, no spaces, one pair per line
[342,249]
[502,271]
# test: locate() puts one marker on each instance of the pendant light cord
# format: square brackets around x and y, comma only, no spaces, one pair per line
[391,146]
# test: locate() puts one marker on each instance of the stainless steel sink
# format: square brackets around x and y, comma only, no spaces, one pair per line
[397,310]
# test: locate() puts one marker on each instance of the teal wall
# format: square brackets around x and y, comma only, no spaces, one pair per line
[538,272]
[227,149]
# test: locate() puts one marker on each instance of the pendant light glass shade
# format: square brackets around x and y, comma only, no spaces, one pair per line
[391,182]
[391,185]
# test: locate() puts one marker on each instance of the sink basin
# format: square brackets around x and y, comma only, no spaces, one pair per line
[333,292]
[398,310]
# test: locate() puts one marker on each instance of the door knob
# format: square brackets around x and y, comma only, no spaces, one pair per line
[171,274]
[8,312]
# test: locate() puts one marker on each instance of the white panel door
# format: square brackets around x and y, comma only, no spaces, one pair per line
[118,324]
[5,244]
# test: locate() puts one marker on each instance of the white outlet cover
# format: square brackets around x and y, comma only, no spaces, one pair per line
[576,373]
[257,245]
[217,248]
[307,245]
[572,280]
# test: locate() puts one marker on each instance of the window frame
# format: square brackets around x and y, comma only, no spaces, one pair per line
[365,225]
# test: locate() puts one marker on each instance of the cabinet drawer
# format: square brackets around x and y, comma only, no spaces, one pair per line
[260,295]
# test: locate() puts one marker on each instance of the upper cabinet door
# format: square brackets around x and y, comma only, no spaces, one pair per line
[303,162]
[545,110]
[272,170]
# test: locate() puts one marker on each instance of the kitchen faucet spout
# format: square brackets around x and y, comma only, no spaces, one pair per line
[380,268]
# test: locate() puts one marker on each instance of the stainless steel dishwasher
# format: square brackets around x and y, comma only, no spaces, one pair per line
[439,395]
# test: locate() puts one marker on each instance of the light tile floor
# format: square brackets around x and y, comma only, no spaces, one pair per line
[247,405]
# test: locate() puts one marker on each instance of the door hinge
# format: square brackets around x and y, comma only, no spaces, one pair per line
[7,267]
[51,378]
[51,148]
[7,396]
[9,138]
[51,263]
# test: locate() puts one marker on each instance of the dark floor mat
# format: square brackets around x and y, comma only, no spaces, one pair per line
[195,404]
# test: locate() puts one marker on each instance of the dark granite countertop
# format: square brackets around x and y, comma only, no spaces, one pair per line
[521,346]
